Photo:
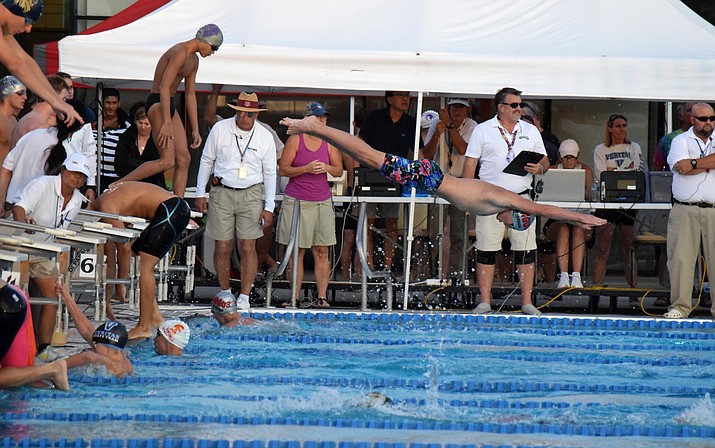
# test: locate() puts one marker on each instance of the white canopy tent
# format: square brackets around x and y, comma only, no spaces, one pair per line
[635,49]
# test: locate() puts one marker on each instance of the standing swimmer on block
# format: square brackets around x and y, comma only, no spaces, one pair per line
[471,195]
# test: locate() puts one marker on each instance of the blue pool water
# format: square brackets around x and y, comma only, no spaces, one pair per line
[304,379]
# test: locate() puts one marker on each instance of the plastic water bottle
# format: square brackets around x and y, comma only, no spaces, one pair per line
[595,192]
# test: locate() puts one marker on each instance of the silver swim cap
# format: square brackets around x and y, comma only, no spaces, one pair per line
[9,85]
[211,34]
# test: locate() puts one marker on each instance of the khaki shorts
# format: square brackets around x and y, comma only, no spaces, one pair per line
[317,223]
[42,267]
[235,213]
[490,233]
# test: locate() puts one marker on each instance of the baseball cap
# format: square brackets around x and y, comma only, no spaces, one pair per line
[111,334]
[316,109]
[461,101]
[427,118]
[176,332]
[9,85]
[568,148]
[77,162]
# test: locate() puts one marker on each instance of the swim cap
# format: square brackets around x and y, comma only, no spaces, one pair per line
[13,309]
[521,220]
[30,9]
[223,304]
[111,334]
[427,118]
[176,332]
[9,85]
[211,34]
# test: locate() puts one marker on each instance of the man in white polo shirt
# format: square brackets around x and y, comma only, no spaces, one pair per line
[242,157]
[495,143]
[692,218]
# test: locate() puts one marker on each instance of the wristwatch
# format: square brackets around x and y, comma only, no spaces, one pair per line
[694,163]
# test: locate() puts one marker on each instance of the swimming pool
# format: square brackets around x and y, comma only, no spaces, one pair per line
[302,379]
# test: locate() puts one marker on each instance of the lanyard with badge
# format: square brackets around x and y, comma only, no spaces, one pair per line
[242,172]
[510,146]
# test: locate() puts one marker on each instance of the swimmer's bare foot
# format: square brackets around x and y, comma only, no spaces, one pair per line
[140,333]
[302,126]
[59,375]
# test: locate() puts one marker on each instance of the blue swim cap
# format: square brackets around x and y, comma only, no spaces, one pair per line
[211,34]
[30,9]
[112,334]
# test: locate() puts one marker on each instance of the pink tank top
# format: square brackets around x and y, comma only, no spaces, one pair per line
[308,186]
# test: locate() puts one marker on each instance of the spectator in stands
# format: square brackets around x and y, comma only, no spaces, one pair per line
[446,143]
[12,99]
[690,223]
[660,158]
[17,345]
[51,201]
[88,116]
[389,129]
[569,238]
[42,115]
[617,152]
[532,114]
[242,157]
[115,122]
[17,17]
[169,216]
[135,146]
[307,160]
[29,159]
[107,341]
[176,64]
[494,144]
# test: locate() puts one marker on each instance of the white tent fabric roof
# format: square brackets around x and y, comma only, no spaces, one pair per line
[635,49]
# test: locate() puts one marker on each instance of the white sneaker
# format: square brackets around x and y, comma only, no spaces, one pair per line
[242,303]
[564,281]
[576,280]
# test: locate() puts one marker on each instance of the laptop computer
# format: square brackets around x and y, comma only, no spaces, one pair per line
[561,185]
[623,186]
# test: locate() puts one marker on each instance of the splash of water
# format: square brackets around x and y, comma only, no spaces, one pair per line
[701,413]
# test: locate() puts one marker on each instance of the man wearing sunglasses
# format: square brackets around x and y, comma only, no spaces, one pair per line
[17,17]
[692,219]
[242,156]
[180,62]
[494,144]
[13,95]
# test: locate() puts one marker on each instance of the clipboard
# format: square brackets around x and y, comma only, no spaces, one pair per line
[516,166]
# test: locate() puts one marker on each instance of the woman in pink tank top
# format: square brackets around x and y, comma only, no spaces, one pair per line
[307,160]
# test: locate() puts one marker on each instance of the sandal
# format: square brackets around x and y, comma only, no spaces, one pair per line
[674,314]
[661,301]
[307,302]
[323,303]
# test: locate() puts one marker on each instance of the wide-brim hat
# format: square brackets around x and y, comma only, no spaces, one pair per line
[247,102]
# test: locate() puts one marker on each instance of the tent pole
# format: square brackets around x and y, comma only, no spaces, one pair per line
[100,136]
[668,115]
[410,230]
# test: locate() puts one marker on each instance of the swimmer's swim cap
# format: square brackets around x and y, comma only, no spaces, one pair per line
[223,305]
[211,34]
[427,118]
[176,332]
[112,334]
[30,9]
[9,85]
[521,220]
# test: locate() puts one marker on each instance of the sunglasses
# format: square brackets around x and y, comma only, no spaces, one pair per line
[214,47]
[20,93]
[28,21]
[706,119]
[514,105]
[250,114]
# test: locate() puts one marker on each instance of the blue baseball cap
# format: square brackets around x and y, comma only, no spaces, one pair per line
[316,109]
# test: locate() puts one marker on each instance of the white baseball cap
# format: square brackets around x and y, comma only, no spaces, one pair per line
[77,162]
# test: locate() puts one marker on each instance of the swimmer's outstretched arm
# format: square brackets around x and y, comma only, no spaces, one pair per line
[81,322]
[475,196]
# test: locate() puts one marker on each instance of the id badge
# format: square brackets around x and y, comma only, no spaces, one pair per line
[242,173]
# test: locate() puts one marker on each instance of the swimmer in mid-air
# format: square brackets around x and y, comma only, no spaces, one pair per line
[471,195]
